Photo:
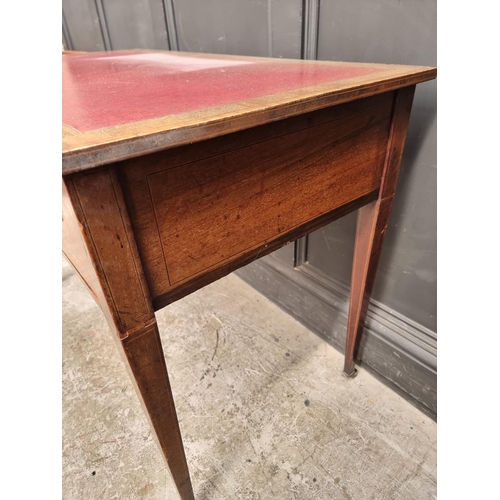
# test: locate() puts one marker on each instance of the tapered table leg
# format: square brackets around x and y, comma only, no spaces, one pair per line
[371,228]
[146,363]
[99,243]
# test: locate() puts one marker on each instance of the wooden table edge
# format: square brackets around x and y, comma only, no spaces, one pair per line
[119,144]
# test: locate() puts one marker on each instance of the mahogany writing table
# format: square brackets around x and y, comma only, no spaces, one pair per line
[180,168]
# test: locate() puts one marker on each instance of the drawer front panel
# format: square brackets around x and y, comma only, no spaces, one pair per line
[207,212]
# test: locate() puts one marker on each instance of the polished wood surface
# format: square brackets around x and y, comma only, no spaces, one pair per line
[192,215]
[99,243]
[156,208]
[371,228]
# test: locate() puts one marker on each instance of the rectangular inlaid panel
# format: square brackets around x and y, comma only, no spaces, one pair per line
[199,207]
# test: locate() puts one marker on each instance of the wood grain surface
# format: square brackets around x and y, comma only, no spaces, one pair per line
[99,243]
[192,215]
[371,229]
[145,361]
[100,209]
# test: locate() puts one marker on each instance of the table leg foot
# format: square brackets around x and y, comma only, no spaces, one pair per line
[372,224]
[351,374]
[146,363]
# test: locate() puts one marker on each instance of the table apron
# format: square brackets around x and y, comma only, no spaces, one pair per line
[201,211]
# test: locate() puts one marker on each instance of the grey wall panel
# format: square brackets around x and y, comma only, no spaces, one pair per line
[285,254]
[222,26]
[331,248]
[83,25]
[138,24]
[397,31]
[66,37]
[245,27]
[65,43]
[391,31]
[285,28]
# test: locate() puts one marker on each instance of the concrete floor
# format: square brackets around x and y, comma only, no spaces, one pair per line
[264,410]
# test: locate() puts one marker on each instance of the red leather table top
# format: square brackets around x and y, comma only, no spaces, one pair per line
[121,104]
[103,90]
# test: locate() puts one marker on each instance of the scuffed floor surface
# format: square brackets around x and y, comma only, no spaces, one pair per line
[264,410]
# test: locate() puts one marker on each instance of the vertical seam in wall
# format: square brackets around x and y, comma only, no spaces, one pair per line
[316,29]
[66,34]
[300,252]
[269,28]
[104,25]
[309,50]
[168,10]
[303,30]
[310,28]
